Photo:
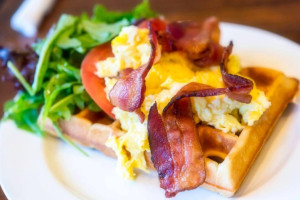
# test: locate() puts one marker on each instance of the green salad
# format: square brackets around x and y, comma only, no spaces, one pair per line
[56,91]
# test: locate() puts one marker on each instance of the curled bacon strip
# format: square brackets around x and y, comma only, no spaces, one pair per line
[195,90]
[238,86]
[161,154]
[211,56]
[160,26]
[128,92]
[192,37]
[175,148]
[201,42]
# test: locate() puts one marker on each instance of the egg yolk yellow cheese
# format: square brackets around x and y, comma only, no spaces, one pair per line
[131,48]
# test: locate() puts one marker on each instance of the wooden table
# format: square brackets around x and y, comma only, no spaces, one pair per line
[278,16]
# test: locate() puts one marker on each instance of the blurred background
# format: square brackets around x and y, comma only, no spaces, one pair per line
[278,16]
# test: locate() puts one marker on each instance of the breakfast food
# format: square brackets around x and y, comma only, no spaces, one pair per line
[227,157]
[172,97]
[230,129]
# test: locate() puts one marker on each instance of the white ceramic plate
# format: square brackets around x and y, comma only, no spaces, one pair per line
[35,168]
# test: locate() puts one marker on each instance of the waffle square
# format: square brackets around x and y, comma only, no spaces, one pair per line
[228,157]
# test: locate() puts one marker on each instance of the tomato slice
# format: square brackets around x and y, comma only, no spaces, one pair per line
[92,83]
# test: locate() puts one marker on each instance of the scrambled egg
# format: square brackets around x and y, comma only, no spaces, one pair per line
[131,49]
[130,148]
[174,70]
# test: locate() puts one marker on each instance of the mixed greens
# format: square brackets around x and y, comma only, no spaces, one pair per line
[56,91]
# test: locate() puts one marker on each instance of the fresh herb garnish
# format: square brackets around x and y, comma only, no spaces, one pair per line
[57,90]
[24,110]
[20,78]
[101,14]
[65,23]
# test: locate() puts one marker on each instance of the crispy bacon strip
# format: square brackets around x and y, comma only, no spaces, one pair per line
[211,56]
[238,86]
[175,148]
[161,154]
[200,42]
[159,26]
[192,37]
[128,92]
[194,89]
[178,160]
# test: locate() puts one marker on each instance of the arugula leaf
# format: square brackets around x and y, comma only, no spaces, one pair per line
[140,11]
[38,45]
[64,67]
[93,106]
[103,32]
[86,41]
[61,104]
[66,41]
[89,34]
[57,84]
[64,23]
[101,14]
[23,109]
[143,10]
[21,78]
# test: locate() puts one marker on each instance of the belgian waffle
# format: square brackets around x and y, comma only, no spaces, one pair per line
[228,157]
